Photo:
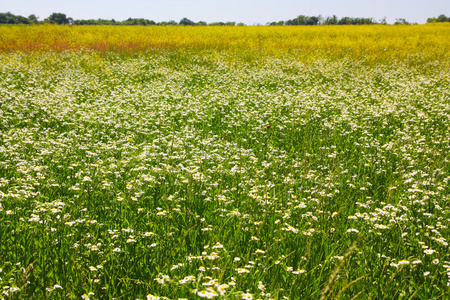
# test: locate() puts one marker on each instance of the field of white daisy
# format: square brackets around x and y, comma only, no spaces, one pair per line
[206,174]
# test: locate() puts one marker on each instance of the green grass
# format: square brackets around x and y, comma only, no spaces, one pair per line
[169,175]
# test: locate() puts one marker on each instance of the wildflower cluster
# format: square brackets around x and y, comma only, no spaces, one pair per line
[199,174]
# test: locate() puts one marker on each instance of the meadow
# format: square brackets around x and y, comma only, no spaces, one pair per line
[225,163]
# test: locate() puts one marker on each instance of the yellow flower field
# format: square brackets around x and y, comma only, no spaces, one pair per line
[375,42]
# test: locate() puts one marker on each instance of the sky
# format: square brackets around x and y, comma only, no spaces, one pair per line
[250,12]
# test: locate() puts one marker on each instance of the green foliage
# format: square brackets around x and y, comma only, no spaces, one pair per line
[182,174]
[441,18]
[319,20]
[9,18]
[186,22]
[400,21]
[62,19]
[58,18]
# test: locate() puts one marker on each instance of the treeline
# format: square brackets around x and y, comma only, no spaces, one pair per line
[145,22]
[334,20]
[62,19]
[441,18]
[9,18]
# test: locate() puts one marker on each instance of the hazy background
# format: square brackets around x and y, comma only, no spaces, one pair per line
[250,12]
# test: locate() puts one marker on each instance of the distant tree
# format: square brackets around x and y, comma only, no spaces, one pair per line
[331,20]
[383,21]
[312,21]
[33,19]
[240,24]
[300,20]
[104,22]
[22,20]
[400,21]
[201,23]
[172,22]
[129,21]
[443,18]
[9,18]
[186,22]
[296,21]
[57,18]
[363,21]
[3,18]
[345,21]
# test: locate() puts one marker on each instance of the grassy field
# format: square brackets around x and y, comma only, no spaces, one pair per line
[234,163]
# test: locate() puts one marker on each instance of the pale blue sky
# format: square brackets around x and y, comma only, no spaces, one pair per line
[247,11]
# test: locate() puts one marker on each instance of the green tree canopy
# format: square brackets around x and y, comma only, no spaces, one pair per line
[186,22]
[58,18]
